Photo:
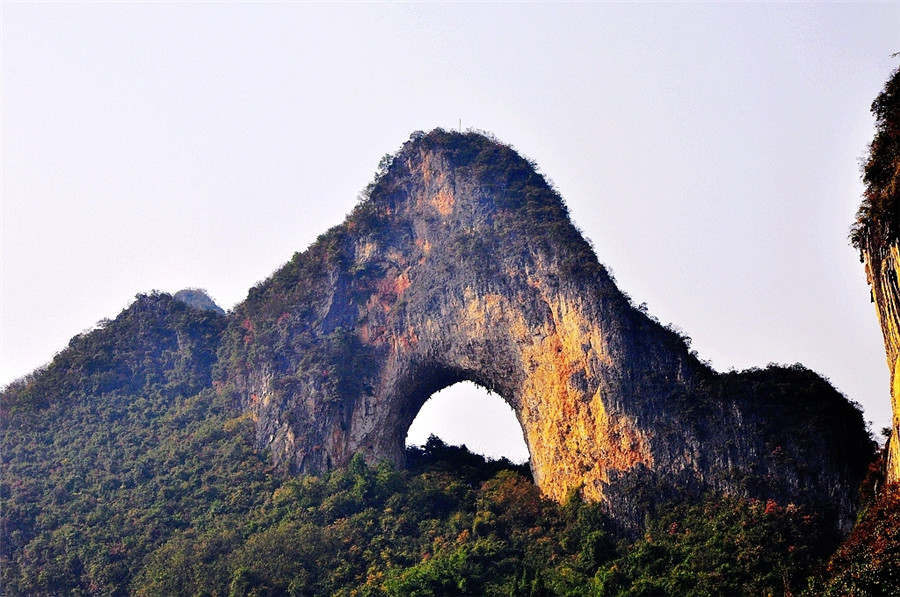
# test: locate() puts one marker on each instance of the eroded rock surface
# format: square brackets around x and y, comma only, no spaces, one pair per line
[876,234]
[882,271]
[462,264]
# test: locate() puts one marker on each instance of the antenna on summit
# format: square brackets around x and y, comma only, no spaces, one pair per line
[460,125]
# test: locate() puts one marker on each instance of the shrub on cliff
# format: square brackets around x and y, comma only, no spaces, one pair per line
[878,219]
[868,562]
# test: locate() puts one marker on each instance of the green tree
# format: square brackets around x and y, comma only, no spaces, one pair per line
[878,218]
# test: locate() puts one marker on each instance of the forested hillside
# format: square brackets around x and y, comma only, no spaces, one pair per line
[125,472]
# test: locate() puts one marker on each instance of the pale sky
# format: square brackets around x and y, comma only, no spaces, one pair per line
[709,151]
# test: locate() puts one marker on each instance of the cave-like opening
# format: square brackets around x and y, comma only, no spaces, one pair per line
[467,414]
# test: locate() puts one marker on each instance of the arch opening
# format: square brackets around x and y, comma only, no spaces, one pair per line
[467,414]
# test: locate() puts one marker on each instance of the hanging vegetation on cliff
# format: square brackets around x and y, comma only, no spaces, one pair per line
[878,219]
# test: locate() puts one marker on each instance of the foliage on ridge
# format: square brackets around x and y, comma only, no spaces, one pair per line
[878,218]
[157,342]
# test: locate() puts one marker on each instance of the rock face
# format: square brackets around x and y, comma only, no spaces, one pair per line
[882,272]
[876,234]
[198,299]
[462,264]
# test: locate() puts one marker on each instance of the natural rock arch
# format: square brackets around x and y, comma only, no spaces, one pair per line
[411,405]
[468,415]
[462,264]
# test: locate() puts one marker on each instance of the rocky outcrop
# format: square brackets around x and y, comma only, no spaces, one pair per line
[876,234]
[882,271]
[198,299]
[462,264]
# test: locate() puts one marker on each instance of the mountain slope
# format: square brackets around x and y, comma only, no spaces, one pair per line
[462,264]
[116,444]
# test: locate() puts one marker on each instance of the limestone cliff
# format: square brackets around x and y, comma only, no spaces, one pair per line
[882,270]
[876,234]
[462,264]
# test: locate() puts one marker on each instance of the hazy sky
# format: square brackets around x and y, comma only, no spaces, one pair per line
[710,152]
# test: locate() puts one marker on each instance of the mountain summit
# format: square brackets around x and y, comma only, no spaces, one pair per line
[461,263]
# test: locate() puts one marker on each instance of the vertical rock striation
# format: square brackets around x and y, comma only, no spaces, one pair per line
[462,264]
[882,270]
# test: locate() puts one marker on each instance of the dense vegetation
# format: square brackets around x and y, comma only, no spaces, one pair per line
[151,487]
[868,561]
[878,219]
[117,500]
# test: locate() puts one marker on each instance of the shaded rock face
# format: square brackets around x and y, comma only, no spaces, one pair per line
[198,299]
[462,264]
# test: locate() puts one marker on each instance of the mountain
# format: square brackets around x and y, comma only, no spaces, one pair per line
[177,450]
[462,264]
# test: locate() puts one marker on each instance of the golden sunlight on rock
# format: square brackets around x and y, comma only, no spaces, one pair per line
[462,265]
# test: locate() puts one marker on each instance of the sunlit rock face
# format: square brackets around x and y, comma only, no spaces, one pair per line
[882,263]
[462,264]
[876,233]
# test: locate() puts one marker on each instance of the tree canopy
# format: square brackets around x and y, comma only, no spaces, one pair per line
[878,218]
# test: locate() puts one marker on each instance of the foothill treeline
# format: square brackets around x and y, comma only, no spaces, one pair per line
[154,488]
